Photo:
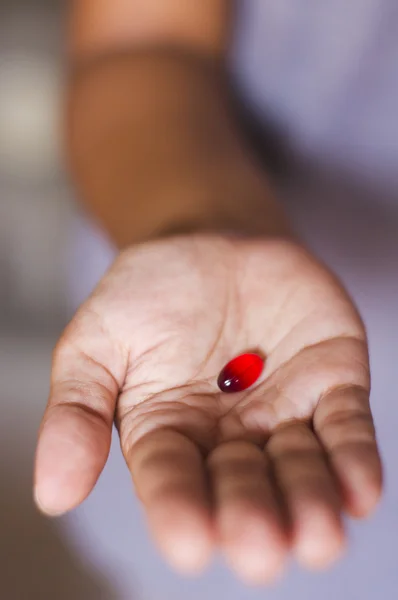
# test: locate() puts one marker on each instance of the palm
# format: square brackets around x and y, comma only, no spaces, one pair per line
[157,332]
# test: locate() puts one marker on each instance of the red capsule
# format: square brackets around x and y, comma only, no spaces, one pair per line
[240,373]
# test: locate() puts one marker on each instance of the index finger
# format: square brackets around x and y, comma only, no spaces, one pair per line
[169,476]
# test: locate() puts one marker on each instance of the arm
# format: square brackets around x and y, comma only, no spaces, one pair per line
[153,143]
[155,150]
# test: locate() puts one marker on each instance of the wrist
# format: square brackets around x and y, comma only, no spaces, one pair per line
[231,205]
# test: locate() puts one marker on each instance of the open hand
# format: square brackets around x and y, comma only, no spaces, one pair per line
[257,473]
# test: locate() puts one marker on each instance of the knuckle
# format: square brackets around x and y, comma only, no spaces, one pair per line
[234,452]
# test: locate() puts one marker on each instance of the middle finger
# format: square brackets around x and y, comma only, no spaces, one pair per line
[247,517]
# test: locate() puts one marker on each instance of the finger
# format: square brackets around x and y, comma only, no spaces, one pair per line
[310,494]
[75,433]
[343,422]
[249,524]
[169,476]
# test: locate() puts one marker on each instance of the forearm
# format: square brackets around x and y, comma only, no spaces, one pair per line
[154,145]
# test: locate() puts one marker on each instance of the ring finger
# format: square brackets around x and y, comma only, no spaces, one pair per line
[310,494]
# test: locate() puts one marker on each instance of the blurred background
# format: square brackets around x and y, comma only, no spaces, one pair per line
[36,225]
[50,258]
[34,208]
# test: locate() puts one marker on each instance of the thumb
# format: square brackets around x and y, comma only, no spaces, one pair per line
[75,434]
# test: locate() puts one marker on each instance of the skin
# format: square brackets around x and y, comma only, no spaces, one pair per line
[210,271]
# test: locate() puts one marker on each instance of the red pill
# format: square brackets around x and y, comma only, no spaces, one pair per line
[240,373]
